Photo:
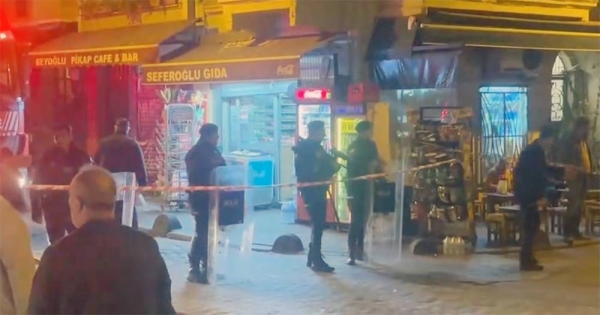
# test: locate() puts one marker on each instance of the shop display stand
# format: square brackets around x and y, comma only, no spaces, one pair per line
[442,203]
[181,130]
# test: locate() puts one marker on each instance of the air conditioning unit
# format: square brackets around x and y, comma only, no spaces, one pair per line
[514,62]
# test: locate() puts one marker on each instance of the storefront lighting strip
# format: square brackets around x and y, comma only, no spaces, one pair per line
[91,50]
[219,61]
[520,47]
[506,30]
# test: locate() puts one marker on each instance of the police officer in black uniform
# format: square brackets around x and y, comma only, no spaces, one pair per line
[363,159]
[313,164]
[121,153]
[58,166]
[200,162]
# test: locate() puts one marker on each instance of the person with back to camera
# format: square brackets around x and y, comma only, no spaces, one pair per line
[200,162]
[121,153]
[102,267]
[313,164]
[531,180]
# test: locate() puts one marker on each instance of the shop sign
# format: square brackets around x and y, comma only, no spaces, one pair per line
[132,57]
[221,72]
[313,94]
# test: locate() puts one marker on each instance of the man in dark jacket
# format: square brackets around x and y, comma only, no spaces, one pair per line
[200,163]
[102,267]
[120,153]
[58,166]
[313,164]
[531,180]
[363,159]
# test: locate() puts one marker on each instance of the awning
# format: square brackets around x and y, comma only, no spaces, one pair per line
[392,36]
[131,45]
[443,27]
[234,57]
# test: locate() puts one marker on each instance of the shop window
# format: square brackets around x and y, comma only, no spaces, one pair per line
[558,89]
[504,124]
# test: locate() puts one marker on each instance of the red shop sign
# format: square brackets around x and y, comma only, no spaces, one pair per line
[313,95]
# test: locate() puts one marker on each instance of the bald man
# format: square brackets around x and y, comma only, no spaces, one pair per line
[102,267]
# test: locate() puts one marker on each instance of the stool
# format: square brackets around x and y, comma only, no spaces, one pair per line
[592,216]
[497,229]
[557,221]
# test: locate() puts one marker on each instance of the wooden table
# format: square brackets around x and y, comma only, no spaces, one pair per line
[542,240]
[491,199]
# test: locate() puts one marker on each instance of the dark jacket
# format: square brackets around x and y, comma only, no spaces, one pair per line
[121,153]
[102,268]
[313,164]
[200,162]
[531,175]
[58,167]
[361,155]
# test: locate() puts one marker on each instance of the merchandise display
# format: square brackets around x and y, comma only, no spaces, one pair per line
[442,202]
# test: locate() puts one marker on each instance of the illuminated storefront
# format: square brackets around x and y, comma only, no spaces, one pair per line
[249,86]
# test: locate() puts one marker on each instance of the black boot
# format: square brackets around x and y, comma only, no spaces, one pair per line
[197,261]
[318,264]
[360,253]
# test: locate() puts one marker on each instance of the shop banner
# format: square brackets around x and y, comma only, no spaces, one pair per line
[124,56]
[221,71]
[435,70]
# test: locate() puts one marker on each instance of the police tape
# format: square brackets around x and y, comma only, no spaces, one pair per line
[240,188]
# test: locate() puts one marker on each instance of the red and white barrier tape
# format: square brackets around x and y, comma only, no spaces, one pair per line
[238,188]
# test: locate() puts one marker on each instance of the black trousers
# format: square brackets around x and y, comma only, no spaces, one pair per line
[57,217]
[119,214]
[531,226]
[58,222]
[199,248]
[576,196]
[316,205]
[358,209]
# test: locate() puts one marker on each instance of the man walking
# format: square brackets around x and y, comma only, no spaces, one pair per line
[313,164]
[103,267]
[58,166]
[363,159]
[575,153]
[200,162]
[120,153]
[531,180]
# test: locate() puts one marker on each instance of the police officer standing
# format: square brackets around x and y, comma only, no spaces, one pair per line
[200,162]
[363,159]
[58,166]
[313,164]
[120,153]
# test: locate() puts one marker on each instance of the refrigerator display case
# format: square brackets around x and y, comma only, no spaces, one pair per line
[259,171]
[181,128]
[345,134]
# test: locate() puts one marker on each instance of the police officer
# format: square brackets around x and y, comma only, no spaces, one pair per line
[363,159]
[200,162]
[59,164]
[121,153]
[313,164]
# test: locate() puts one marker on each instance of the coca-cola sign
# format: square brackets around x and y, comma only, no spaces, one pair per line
[313,94]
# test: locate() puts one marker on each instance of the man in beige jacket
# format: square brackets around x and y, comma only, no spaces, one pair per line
[17,265]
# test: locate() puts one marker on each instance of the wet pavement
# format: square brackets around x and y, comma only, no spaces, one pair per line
[266,283]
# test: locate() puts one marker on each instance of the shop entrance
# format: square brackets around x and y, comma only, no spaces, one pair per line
[503,125]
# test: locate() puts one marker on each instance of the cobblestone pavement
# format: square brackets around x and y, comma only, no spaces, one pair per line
[266,283]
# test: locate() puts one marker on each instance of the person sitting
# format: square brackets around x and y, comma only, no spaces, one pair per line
[495,175]
[102,267]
